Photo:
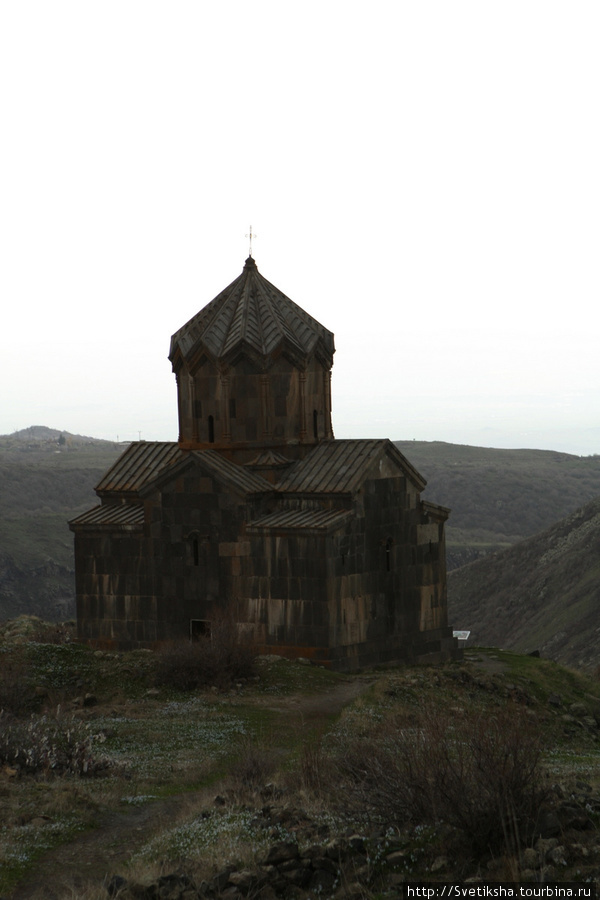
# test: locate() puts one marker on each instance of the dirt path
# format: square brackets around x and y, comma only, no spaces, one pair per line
[103,851]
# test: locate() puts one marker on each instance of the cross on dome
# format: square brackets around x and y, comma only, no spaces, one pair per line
[251,235]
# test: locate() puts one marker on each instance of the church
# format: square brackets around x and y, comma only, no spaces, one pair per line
[315,547]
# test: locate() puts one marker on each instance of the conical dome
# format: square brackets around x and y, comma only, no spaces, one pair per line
[252,317]
[253,369]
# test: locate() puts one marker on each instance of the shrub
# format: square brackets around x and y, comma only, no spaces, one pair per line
[253,767]
[218,659]
[50,744]
[479,773]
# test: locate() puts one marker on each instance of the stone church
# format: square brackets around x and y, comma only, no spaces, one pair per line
[316,547]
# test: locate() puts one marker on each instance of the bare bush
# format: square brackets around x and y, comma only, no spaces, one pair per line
[220,659]
[479,774]
[50,744]
[253,767]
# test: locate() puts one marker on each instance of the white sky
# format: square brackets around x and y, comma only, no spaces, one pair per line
[423,178]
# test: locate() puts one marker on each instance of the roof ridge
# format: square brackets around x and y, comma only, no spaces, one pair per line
[251,312]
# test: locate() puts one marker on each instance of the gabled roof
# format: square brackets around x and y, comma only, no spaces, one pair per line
[251,316]
[138,465]
[340,466]
[114,517]
[302,520]
[245,481]
[269,459]
[148,464]
[438,513]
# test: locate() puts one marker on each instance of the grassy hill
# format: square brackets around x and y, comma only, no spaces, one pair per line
[46,478]
[499,497]
[289,781]
[542,594]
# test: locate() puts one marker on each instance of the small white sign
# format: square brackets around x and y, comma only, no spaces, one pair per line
[461,635]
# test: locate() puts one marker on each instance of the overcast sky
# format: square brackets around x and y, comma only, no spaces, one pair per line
[423,178]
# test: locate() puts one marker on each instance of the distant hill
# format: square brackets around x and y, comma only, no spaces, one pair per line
[46,477]
[499,497]
[542,594]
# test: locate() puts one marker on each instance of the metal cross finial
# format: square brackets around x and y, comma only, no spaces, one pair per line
[251,235]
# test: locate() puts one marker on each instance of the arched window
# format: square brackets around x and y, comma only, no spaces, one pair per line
[388,554]
[197,549]
[315,424]
[211,429]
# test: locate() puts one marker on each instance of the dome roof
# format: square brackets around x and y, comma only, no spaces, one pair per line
[252,318]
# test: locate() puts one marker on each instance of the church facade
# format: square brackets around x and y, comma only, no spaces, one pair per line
[315,547]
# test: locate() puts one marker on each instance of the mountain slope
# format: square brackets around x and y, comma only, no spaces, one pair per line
[499,497]
[543,593]
[46,478]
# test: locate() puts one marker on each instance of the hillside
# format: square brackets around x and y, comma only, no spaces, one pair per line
[542,594]
[46,477]
[289,781]
[499,497]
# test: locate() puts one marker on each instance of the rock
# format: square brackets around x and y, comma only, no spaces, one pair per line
[554,700]
[322,881]
[219,882]
[302,661]
[300,876]
[313,852]
[572,815]
[397,858]
[579,710]
[336,848]
[543,846]
[530,859]
[529,875]
[325,863]
[557,856]
[548,824]
[171,887]
[243,880]
[40,820]
[281,852]
[356,843]
[439,864]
